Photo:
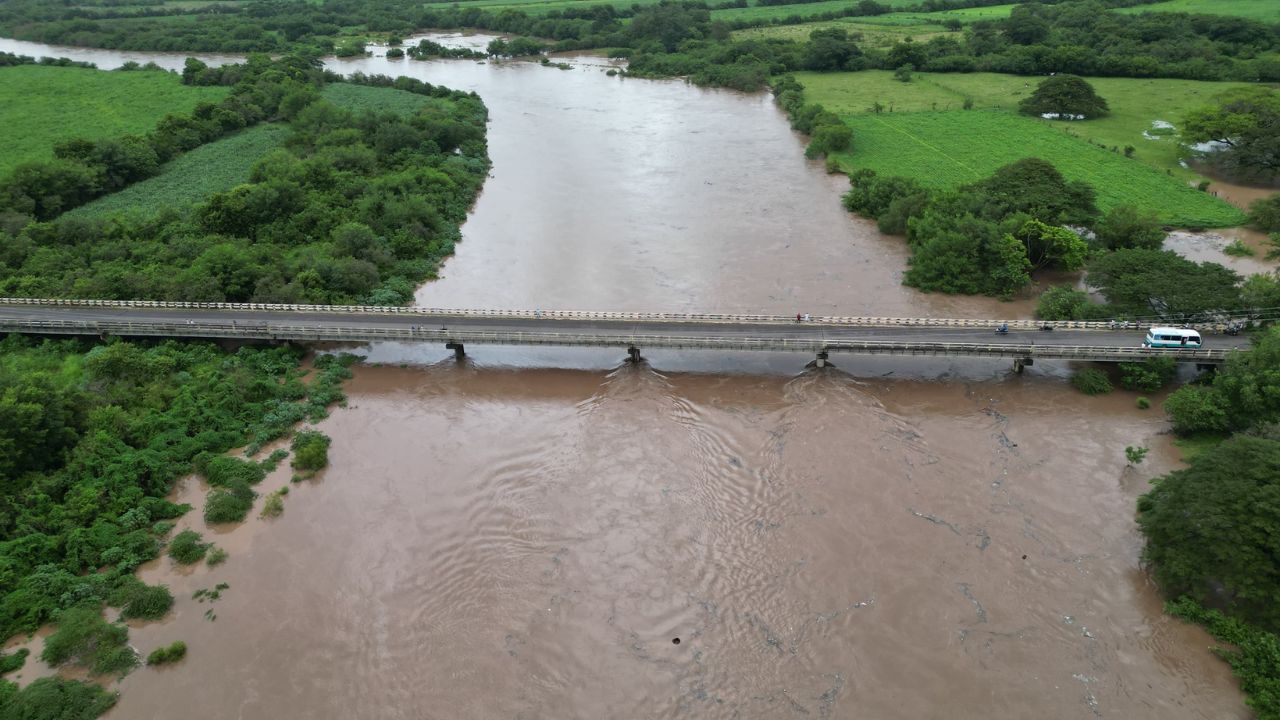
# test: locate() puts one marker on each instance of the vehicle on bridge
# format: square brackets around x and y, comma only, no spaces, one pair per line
[1171,337]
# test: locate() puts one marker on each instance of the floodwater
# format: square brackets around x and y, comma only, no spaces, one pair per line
[897,538]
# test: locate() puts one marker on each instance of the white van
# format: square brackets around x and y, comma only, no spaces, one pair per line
[1171,337]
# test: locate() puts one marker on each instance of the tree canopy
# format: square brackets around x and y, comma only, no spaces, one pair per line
[1161,283]
[1246,123]
[1213,529]
[1067,97]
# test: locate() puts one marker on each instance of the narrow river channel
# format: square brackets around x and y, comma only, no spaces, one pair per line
[697,536]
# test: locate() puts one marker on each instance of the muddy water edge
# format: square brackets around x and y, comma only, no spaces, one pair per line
[495,539]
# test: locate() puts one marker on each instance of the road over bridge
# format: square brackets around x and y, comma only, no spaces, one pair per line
[1025,342]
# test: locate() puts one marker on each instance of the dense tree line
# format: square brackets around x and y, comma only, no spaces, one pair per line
[1078,37]
[1213,529]
[355,208]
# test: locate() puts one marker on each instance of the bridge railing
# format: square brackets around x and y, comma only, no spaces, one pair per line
[599,316]
[339,334]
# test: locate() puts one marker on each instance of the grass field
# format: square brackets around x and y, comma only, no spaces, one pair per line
[1135,104]
[1268,10]
[364,97]
[953,147]
[40,106]
[192,177]
[882,30]
[770,12]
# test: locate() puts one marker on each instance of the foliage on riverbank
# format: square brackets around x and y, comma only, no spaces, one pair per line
[356,207]
[91,440]
[41,106]
[1213,528]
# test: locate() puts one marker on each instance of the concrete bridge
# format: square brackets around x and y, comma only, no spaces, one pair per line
[1026,341]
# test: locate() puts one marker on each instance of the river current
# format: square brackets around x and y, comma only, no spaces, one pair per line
[701,535]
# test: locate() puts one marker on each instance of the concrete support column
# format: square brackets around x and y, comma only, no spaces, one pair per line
[1020,363]
[459,351]
[633,354]
[822,359]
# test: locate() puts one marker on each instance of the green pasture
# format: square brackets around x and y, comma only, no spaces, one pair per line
[767,13]
[193,176]
[1267,10]
[366,97]
[1135,103]
[951,147]
[40,106]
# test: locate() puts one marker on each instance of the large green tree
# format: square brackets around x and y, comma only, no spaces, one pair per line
[1066,96]
[1164,284]
[1246,123]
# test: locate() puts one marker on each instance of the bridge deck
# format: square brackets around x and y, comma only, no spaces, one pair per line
[896,336]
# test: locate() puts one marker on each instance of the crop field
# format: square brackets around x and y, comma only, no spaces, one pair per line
[880,31]
[40,106]
[768,13]
[950,148]
[1268,10]
[364,97]
[190,178]
[1137,105]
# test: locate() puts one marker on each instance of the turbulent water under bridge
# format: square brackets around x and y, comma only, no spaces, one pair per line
[1025,341]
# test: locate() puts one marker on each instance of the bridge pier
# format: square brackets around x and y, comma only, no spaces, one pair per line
[633,354]
[1020,363]
[459,351]
[822,359]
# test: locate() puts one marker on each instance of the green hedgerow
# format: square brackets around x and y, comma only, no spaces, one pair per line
[1091,382]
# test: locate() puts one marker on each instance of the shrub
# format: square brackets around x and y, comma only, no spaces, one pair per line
[1061,303]
[1091,382]
[216,556]
[1142,403]
[149,602]
[1264,213]
[1237,248]
[13,662]
[273,506]
[168,654]
[229,504]
[1151,374]
[1135,455]
[52,698]
[1197,409]
[224,471]
[186,547]
[310,450]
[84,638]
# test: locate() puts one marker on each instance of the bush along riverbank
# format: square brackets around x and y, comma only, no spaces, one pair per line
[1213,529]
[92,440]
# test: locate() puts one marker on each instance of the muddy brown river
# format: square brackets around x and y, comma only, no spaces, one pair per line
[701,535]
